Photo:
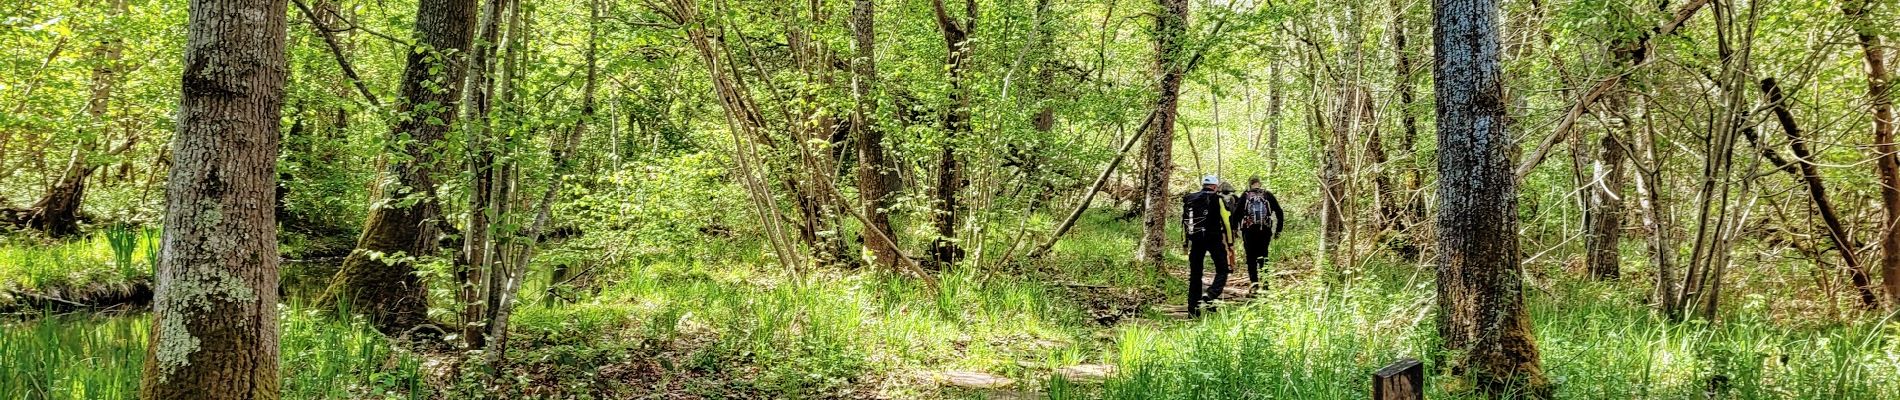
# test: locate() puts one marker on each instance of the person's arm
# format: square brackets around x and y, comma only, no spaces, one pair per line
[1279,217]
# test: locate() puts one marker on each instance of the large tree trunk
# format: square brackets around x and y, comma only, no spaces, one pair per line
[1482,319]
[378,279]
[1887,167]
[1170,36]
[1803,169]
[956,123]
[214,323]
[874,175]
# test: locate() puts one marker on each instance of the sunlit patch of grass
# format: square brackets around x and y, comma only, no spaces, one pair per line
[1597,340]
[115,256]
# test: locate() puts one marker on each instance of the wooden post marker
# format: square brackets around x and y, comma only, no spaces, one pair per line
[1402,380]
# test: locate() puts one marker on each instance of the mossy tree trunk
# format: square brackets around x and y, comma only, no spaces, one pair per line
[378,279]
[214,325]
[1481,315]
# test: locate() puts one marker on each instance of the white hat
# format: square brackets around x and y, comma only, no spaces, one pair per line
[1210,180]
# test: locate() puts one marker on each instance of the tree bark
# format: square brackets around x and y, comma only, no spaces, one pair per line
[1170,35]
[956,122]
[874,175]
[817,164]
[1716,215]
[475,260]
[1482,318]
[742,117]
[1275,102]
[1887,166]
[1656,217]
[1414,202]
[378,279]
[1606,210]
[214,325]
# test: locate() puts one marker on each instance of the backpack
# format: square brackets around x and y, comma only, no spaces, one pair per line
[1259,214]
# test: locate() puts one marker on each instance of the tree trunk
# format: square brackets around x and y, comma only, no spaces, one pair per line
[1637,54]
[57,212]
[1170,36]
[1716,215]
[1482,318]
[562,149]
[214,324]
[1414,201]
[1275,101]
[742,117]
[475,258]
[1879,82]
[1656,218]
[1803,169]
[378,279]
[1606,210]
[874,175]
[956,122]
[816,140]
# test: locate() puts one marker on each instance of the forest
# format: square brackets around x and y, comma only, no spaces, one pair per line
[949,199]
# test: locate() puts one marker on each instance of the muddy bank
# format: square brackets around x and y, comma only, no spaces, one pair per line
[134,294]
[299,280]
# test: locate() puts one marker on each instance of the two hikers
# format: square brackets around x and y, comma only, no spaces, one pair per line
[1212,220]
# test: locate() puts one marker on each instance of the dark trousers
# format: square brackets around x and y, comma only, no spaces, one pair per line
[1256,246]
[1205,248]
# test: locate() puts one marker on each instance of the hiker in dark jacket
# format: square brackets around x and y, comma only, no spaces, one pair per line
[1261,221]
[1207,223]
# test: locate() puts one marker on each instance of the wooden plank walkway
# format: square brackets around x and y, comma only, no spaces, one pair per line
[1238,290]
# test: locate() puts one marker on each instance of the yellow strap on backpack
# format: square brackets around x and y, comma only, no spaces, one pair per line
[1226,218]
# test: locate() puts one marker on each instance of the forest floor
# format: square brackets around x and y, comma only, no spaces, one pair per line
[1081,323]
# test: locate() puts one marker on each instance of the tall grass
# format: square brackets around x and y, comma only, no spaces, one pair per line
[72,357]
[101,356]
[123,240]
[108,258]
[718,316]
[1312,342]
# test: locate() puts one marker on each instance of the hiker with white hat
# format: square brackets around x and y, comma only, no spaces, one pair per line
[1206,220]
